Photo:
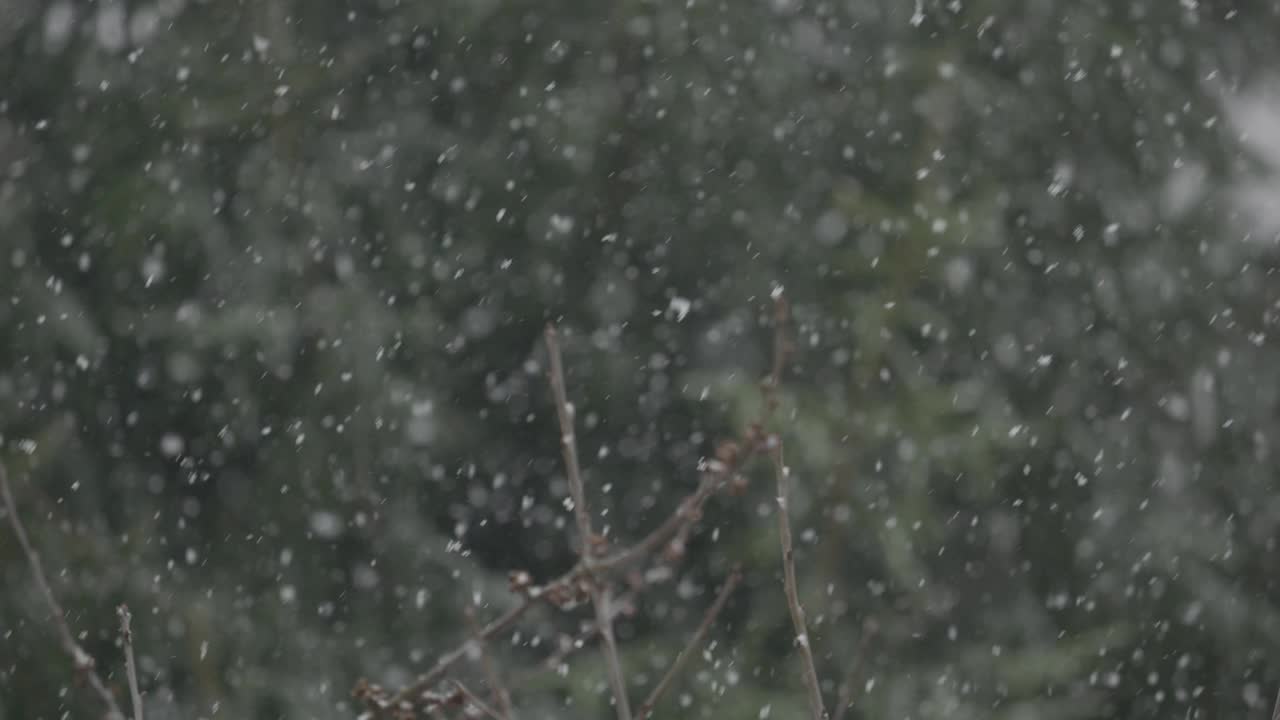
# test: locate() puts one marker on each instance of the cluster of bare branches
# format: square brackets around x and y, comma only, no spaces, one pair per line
[592,579]
[82,662]
[589,580]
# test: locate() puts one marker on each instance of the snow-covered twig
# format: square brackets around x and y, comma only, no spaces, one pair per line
[83,661]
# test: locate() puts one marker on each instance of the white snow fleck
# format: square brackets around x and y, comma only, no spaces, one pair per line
[679,307]
[172,445]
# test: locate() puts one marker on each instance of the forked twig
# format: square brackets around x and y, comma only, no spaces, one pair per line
[599,593]
[83,661]
[131,668]
[699,636]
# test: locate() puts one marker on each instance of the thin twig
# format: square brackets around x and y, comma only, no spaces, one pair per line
[1275,711]
[845,700]
[569,645]
[599,594]
[130,668]
[699,636]
[476,701]
[501,697]
[446,661]
[781,351]
[83,661]
[808,669]
[569,444]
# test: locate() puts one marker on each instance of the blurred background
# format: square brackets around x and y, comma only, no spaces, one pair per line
[273,279]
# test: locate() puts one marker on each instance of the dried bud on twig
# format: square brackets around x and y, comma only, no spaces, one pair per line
[727,452]
[597,543]
[674,551]
[519,581]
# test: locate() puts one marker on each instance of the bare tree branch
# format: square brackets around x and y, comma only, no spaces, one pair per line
[569,645]
[1275,711]
[501,697]
[446,661]
[699,636]
[808,670]
[131,668]
[845,701]
[471,697]
[82,660]
[586,576]
[599,592]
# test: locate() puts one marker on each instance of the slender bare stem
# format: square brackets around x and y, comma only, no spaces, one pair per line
[83,661]
[781,351]
[446,661]
[130,667]
[599,593]
[699,636]
[846,691]
[476,701]
[570,645]
[501,697]
[569,444]
[808,670]
[1275,711]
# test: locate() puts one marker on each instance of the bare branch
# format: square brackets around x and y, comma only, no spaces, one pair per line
[781,351]
[471,697]
[1275,711]
[569,443]
[446,661]
[501,697]
[82,660]
[845,700]
[599,594]
[699,636]
[624,605]
[131,668]
[808,669]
